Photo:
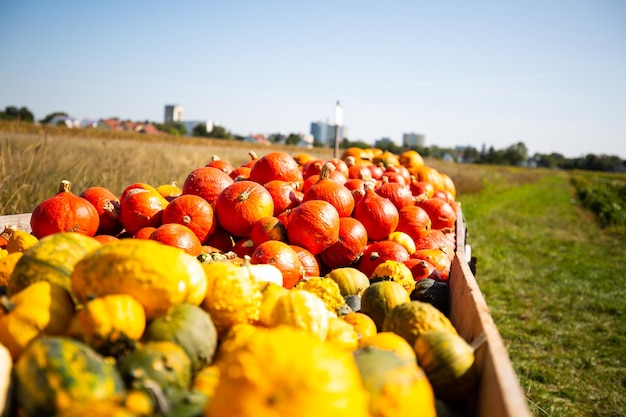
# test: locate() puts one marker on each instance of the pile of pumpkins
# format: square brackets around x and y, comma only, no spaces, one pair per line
[285,286]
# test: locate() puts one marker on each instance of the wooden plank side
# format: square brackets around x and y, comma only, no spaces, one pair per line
[499,392]
[22,221]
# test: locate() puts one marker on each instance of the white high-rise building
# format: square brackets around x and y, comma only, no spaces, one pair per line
[173,113]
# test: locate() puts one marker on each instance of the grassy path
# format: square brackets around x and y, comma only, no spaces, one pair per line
[556,287]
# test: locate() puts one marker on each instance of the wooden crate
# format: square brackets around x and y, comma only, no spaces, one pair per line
[499,392]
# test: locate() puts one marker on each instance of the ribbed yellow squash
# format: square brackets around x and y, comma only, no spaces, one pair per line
[156,275]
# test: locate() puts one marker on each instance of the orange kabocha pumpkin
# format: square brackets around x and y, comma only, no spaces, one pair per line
[64,212]
[331,191]
[314,225]
[192,211]
[242,204]
[108,207]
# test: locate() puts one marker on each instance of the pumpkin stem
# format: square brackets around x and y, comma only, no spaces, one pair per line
[421,198]
[350,161]
[326,169]
[65,186]
[253,155]
[6,304]
[243,196]
[112,208]
[215,158]
[186,219]
[9,229]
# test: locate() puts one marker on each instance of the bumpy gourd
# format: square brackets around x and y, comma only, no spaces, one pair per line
[287,372]
[54,372]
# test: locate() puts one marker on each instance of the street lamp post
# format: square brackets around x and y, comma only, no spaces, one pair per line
[338,123]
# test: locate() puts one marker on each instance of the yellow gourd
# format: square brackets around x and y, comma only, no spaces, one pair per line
[303,310]
[232,297]
[18,240]
[286,372]
[156,275]
[109,321]
[7,265]
[395,271]
[41,308]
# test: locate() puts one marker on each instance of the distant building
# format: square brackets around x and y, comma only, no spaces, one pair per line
[257,138]
[325,132]
[64,120]
[191,124]
[413,140]
[173,113]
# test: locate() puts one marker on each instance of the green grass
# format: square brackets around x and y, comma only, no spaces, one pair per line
[554,282]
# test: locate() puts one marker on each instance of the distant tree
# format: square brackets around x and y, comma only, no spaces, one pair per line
[220,133]
[293,139]
[200,130]
[174,128]
[515,154]
[217,132]
[51,116]
[345,144]
[553,160]
[470,154]
[14,113]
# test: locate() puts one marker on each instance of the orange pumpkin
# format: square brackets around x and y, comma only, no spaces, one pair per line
[141,207]
[309,261]
[283,257]
[179,236]
[268,228]
[206,182]
[414,221]
[193,212]
[379,252]
[314,225]
[441,213]
[398,193]
[378,214]
[331,191]
[242,204]
[284,194]
[221,164]
[64,212]
[349,246]
[108,206]
[438,257]
[276,166]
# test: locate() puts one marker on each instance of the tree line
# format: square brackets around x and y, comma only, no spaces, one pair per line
[513,155]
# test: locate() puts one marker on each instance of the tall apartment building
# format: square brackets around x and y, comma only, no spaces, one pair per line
[173,113]
[325,133]
[411,140]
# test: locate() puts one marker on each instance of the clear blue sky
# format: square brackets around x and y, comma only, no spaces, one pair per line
[551,74]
